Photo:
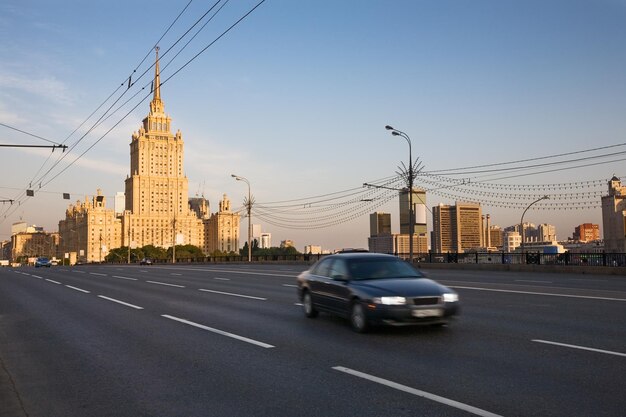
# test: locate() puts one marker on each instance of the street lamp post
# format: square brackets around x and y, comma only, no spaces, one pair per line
[249,208]
[396,132]
[521,224]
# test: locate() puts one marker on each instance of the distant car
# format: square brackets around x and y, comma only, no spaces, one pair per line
[145,261]
[42,261]
[372,288]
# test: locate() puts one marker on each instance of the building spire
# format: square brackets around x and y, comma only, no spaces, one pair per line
[156,106]
[157,77]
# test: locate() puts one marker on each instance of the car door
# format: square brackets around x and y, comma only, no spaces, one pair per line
[338,288]
[318,283]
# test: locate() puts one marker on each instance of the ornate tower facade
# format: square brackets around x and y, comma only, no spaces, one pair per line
[157,190]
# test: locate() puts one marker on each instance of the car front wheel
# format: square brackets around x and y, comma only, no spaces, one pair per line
[358,318]
[307,304]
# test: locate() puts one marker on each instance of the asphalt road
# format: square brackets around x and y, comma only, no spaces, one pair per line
[231,340]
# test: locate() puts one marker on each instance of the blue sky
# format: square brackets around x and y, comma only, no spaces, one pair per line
[296,97]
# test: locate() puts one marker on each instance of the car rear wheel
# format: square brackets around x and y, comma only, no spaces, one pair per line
[358,318]
[307,304]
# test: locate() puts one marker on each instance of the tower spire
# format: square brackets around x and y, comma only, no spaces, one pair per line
[156,106]
[157,77]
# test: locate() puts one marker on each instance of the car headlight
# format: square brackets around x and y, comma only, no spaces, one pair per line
[450,297]
[390,301]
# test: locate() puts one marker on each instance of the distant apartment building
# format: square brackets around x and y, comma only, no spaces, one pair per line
[397,244]
[381,240]
[30,244]
[380,224]
[287,244]
[312,250]
[496,236]
[546,233]
[256,232]
[419,211]
[614,217]
[512,240]
[457,228]
[266,240]
[89,230]
[222,229]
[586,232]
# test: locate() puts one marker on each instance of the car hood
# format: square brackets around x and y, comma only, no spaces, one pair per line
[404,287]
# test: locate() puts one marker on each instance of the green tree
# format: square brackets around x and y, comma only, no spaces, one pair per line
[153,252]
[186,252]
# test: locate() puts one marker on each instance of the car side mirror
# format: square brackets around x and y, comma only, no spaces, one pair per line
[339,277]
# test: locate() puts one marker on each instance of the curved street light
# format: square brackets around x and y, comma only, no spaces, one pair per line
[396,132]
[249,208]
[521,223]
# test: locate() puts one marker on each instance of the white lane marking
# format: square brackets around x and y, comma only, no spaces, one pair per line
[121,302]
[97,273]
[77,289]
[117,276]
[539,293]
[53,281]
[233,295]
[175,274]
[608,352]
[221,332]
[230,271]
[79,272]
[25,273]
[297,304]
[222,279]
[290,285]
[419,393]
[142,270]
[532,280]
[37,276]
[165,283]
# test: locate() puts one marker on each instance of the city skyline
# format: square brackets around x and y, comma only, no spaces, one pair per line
[301,110]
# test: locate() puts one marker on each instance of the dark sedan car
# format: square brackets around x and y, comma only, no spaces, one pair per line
[371,288]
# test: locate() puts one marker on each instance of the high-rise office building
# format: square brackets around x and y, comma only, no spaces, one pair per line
[380,224]
[419,211]
[614,217]
[457,228]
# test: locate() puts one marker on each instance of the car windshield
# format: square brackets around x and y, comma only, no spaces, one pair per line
[362,269]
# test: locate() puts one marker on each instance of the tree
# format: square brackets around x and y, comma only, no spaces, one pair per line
[186,252]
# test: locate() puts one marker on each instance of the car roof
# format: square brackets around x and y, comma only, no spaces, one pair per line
[361,255]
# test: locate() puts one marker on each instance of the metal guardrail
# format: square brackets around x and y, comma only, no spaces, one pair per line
[482,258]
[516,258]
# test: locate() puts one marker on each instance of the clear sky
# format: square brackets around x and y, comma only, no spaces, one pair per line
[295,98]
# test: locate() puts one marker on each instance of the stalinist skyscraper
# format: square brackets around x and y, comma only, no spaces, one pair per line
[157,190]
